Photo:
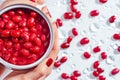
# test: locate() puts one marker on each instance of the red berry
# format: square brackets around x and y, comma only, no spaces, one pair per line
[76,73]
[37,41]
[73,8]
[35,49]
[5,33]
[5,16]
[20,12]
[25,36]
[25,52]
[112,19]
[95,73]
[64,75]
[96,49]
[68,15]
[59,22]
[2,24]
[63,59]
[94,13]
[77,14]
[17,18]
[103,1]
[15,33]
[84,41]
[31,22]
[27,45]
[116,36]
[115,71]
[103,55]
[13,60]
[73,78]
[74,31]
[87,55]
[33,14]
[102,77]
[10,25]
[43,37]
[65,45]
[96,64]
[100,70]
[23,24]
[74,2]
[57,64]
[118,48]
[69,39]
[11,13]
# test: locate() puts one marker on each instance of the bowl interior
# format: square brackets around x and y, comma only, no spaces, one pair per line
[25,56]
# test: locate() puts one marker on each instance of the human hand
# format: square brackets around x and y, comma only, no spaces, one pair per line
[41,71]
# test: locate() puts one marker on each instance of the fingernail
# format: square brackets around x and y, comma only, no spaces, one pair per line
[49,62]
[33,0]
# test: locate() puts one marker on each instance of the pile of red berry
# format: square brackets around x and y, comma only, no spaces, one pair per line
[24,36]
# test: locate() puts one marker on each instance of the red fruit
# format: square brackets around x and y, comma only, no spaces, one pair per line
[23,24]
[33,14]
[115,71]
[25,36]
[116,36]
[73,2]
[103,55]
[13,60]
[32,36]
[25,52]
[37,41]
[34,30]
[94,13]
[95,73]
[8,44]
[43,37]
[73,8]
[103,1]
[57,64]
[35,49]
[96,49]
[17,18]
[69,39]
[27,45]
[5,33]
[20,12]
[118,48]
[87,55]
[112,19]
[2,24]
[64,75]
[10,25]
[63,59]
[100,70]
[65,45]
[76,73]
[77,14]
[31,22]
[84,41]
[59,22]
[74,31]
[96,64]
[5,16]
[73,78]
[102,78]
[68,15]
[15,33]
[17,46]
[11,13]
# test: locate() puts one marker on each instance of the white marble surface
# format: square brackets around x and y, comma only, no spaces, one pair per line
[96,29]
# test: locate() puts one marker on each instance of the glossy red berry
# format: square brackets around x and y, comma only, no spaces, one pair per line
[94,13]
[96,64]
[64,76]
[33,14]
[95,73]
[112,19]
[59,22]
[100,70]
[84,41]
[77,14]
[5,33]
[25,52]
[73,78]
[17,18]
[73,8]
[74,2]
[65,45]
[74,31]
[115,71]
[118,49]
[96,49]
[11,13]
[116,36]
[63,59]
[15,33]
[87,55]
[68,15]
[102,77]
[31,22]
[10,25]
[69,39]
[2,24]
[57,64]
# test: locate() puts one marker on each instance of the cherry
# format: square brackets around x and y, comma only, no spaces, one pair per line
[84,41]
[74,31]
[96,64]
[103,55]
[94,13]
[96,49]
[76,73]
[112,19]
[64,75]
[115,71]
[63,59]
[95,73]
[68,15]
[87,55]
[59,22]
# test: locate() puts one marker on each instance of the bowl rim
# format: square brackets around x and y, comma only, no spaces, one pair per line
[21,67]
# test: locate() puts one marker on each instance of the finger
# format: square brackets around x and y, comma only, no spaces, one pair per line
[40,1]
[2,69]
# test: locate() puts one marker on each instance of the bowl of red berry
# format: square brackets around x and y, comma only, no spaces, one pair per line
[26,36]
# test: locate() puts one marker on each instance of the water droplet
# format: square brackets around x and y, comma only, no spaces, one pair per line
[73,66]
[110,60]
[93,27]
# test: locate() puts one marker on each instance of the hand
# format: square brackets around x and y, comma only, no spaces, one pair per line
[42,70]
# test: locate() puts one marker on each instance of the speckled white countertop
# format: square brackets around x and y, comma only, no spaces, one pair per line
[96,29]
